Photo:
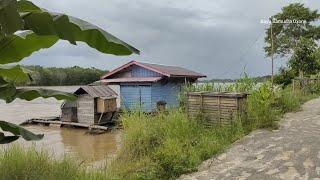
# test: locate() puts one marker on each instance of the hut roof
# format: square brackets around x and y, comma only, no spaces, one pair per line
[96,91]
[164,70]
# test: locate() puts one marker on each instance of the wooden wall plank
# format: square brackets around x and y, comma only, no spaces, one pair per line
[215,107]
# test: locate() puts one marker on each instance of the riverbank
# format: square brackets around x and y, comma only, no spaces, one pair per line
[165,146]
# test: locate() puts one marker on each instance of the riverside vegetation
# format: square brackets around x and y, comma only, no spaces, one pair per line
[165,145]
[162,146]
[53,76]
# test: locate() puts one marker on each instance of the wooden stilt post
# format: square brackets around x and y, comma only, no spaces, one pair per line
[100,118]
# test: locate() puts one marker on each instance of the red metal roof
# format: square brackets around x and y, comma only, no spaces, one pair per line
[131,79]
[169,71]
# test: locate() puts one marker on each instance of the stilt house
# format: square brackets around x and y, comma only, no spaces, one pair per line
[146,85]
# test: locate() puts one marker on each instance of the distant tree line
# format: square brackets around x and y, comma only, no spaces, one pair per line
[53,76]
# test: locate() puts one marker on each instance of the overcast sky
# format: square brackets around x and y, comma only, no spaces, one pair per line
[215,37]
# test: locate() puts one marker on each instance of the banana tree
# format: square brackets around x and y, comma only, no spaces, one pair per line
[26,28]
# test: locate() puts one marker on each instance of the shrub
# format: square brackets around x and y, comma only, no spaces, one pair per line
[284,77]
[313,88]
[261,113]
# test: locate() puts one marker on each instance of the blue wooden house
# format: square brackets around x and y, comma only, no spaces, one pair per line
[143,85]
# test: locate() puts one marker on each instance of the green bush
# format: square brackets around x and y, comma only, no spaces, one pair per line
[261,113]
[286,100]
[313,88]
[284,77]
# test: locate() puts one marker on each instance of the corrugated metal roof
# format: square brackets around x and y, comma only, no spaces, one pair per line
[169,71]
[132,79]
[173,70]
[96,91]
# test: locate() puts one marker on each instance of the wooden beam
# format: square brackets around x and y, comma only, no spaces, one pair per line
[32,121]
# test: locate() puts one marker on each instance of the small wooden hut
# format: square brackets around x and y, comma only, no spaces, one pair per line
[95,105]
[216,107]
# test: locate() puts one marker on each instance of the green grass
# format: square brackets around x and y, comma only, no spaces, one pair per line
[30,164]
[288,101]
[161,146]
[165,146]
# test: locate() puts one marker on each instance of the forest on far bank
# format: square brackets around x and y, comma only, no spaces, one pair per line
[57,76]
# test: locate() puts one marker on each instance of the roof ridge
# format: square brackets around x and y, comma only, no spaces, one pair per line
[97,91]
[165,70]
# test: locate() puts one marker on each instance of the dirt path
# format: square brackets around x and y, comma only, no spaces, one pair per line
[292,152]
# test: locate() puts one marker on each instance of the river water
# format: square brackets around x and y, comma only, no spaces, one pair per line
[91,149]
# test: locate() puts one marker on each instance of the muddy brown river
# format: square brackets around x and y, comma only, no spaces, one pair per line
[91,149]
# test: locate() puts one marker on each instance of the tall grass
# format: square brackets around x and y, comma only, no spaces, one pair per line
[167,145]
[30,164]
[261,112]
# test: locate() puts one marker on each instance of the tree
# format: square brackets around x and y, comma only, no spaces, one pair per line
[317,55]
[284,76]
[61,76]
[26,28]
[295,21]
[304,59]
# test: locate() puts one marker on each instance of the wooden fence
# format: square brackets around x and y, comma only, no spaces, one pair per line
[215,108]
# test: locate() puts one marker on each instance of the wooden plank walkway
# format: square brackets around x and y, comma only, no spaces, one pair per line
[56,120]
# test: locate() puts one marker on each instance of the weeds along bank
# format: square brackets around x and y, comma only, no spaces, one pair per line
[168,145]
[29,164]
[157,147]
[165,145]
